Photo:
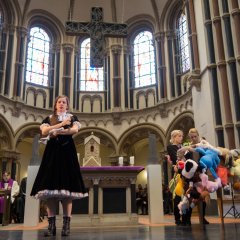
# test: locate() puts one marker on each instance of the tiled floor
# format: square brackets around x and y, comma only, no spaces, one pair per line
[230,230]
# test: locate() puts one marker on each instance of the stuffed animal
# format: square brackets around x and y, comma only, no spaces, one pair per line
[183,205]
[189,169]
[236,186]
[210,186]
[223,174]
[206,145]
[235,170]
[209,160]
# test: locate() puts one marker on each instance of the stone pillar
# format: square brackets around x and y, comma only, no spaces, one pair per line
[95,195]
[236,23]
[127,52]
[160,38]
[170,37]
[76,84]
[193,37]
[154,174]
[223,76]
[31,214]
[66,80]
[20,60]
[116,50]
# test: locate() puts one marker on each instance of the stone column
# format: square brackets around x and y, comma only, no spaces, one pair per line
[236,23]
[76,83]
[116,50]
[223,76]
[170,37]
[126,52]
[154,174]
[95,195]
[160,39]
[193,38]
[66,80]
[20,60]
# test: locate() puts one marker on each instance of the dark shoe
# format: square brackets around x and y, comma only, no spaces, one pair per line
[188,224]
[178,223]
[51,231]
[205,221]
[66,226]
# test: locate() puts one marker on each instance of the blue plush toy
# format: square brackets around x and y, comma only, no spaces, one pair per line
[209,160]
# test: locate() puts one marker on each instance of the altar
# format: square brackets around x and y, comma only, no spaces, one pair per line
[112,197]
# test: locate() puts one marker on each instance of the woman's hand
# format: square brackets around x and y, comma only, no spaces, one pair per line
[66,122]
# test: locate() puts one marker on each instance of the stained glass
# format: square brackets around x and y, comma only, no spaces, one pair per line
[182,41]
[91,78]
[144,60]
[38,57]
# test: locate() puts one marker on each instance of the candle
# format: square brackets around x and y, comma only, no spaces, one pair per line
[120,161]
[78,156]
[131,161]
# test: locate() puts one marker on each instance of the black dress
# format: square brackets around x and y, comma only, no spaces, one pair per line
[59,174]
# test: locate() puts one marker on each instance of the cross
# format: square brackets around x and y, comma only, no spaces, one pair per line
[97,29]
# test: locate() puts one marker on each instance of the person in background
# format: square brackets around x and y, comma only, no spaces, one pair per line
[20,201]
[139,192]
[145,201]
[9,184]
[59,177]
[176,144]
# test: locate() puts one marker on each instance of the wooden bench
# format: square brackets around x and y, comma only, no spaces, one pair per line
[6,194]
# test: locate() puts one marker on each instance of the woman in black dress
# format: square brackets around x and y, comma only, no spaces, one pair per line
[59,177]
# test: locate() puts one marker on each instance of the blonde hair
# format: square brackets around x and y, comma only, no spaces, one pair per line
[175,133]
[193,130]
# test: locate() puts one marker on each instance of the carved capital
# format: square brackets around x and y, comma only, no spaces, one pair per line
[195,80]
[18,106]
[116,115]
[160,36]
[22,31]
[162,110]
[116,49]
[96,181]
[67,48]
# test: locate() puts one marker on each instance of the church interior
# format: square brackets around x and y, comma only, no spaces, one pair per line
[131,70]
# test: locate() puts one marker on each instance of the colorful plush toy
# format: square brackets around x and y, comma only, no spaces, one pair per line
[223,174]
[210,186]
[189,169]
[183,205]
[209,160]
[206,145]
[235,170]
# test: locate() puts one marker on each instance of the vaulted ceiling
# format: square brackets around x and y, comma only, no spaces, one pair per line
[120,11]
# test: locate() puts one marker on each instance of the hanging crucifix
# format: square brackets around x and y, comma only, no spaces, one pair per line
[97,29]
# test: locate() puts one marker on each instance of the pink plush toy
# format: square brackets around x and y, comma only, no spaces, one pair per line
[210,185]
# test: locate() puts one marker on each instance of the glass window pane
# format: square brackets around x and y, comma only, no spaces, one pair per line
[38,57]
[144,59]
[91,79]
[182,42]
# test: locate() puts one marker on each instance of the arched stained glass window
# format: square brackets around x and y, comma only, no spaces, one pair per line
[38,57]
[144,60]
[91,79]
[182,42]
